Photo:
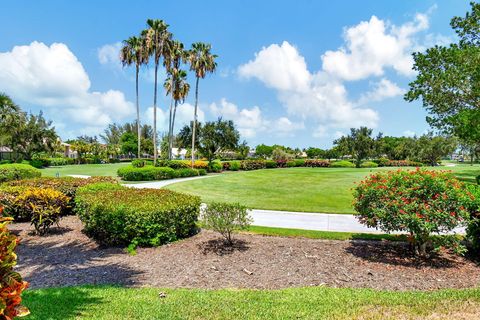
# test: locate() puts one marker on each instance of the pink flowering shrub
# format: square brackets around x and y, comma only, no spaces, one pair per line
[420,202]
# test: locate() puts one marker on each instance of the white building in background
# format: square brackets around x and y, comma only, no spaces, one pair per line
[179,153]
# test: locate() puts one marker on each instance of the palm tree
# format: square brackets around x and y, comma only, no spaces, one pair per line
[201,61]
[158,39]
[177,86]
[173,57]
[134,52]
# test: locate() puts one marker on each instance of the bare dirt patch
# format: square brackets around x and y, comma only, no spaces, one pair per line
[70,258]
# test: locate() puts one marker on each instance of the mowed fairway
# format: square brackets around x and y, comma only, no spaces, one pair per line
[84,169]
[293,189]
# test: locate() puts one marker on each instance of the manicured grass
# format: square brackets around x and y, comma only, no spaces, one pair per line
[327,235]
[293,189]
[103,303]
[85,169]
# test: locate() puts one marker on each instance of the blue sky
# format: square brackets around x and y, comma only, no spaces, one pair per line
[298,74]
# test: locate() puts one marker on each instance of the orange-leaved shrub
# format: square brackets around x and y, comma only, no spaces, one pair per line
[11,283]
[420,202]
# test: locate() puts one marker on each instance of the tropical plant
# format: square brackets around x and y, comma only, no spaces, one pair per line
[11,282]
[419,202]
[202,61]
[157,39]
[134,52]
[225,218]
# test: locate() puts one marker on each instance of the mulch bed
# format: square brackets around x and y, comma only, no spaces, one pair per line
[67,257]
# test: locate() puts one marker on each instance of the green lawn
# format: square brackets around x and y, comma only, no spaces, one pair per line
[293,189]
[297,303]
[85,169]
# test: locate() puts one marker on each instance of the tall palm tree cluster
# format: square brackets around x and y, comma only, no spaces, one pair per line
[156,43]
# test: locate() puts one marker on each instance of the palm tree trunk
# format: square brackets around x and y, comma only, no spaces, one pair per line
[170,130]
[194,122]
[173,121]
[155,155]
[138,112]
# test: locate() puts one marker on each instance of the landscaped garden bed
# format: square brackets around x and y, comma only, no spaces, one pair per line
[68,257]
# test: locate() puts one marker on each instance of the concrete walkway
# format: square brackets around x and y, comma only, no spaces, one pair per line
[288,219]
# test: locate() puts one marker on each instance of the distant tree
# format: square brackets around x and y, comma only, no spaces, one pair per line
[448,78]
[128,143]
[214,137]
[264,151]
[433,148]
[359,143]
[202,61]
[134,51]
[315,153]
[243,150]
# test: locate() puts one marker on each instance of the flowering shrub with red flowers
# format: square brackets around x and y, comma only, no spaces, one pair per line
[316,163]
[420,202]
[11,283]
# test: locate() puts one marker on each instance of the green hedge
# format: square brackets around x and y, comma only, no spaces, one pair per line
[9,172]
[342,164]
[150,173]
[369,164]
[145,217]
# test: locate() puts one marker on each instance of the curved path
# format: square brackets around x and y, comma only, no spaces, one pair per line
[287,219]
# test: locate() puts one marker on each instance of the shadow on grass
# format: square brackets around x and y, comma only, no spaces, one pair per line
[60,303]
[221,247]
[399,254]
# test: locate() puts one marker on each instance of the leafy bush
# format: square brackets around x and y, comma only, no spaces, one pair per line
[9,172]
[342,164]
[316,163]
[39,163]
[477,178]
[291,164]
[369,164]
[270,164]
[253,164]
[231,165]
[225,218]
[60,161]
[186,172]
[138,163]
[11,283]
[382,162]
[472,196]
[281,163]
[5,161]
[146,173]
[145,217]
[402,163]
[299,162]
[419,202]
[43,206]
[215,166]
[66,185]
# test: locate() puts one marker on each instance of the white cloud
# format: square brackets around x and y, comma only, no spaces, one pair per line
[183,116]
[110,54]
[371,46]
[52,76]
[382,89]
[409,133]
[250,122]
[279,67]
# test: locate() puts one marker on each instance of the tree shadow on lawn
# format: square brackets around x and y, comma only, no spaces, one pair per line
[399,254]
[60,303]
[220,247]
[49,263]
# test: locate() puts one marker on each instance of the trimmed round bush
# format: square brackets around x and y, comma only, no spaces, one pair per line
[145,217]
[253,164]
[234,165]
[291,164]
[369,164]
[138,163]
[316,163]
[419,202]
[299,162]
[16,171]
[146,173]
[342,164]
[270,164]
[215,166]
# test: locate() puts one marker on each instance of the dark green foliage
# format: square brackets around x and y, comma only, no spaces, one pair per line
[270,164]
[145,217]
[9,172]
[149,173]
[253,164]
[369,164]
[225,218]
[215,166]
[342,164]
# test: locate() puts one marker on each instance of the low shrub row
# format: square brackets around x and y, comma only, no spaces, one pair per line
[47,162]
[149,173]
[17,171]
[115,215]
[271,164]
[178,164]
[401,163]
